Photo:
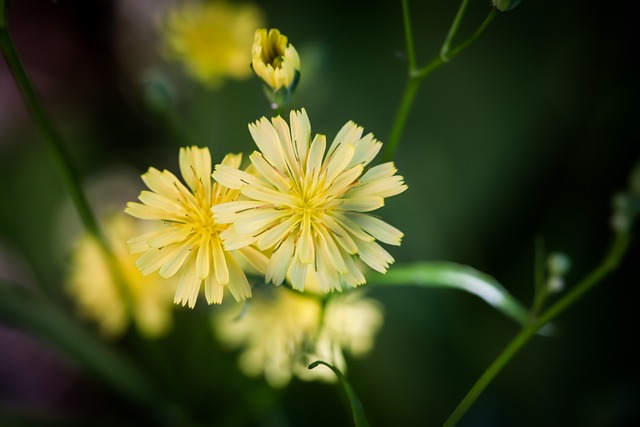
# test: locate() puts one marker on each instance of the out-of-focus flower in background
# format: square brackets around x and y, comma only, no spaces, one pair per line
[310,205]
[212,39]
[187,237]
[93,286]
[280,332]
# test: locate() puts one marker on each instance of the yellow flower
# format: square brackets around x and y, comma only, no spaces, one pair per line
[188,237]
[277,63]
[281,332]
[92,284]
[309,206]
[212,39]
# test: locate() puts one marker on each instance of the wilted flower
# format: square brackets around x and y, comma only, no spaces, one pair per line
[212,39]
[277,63]
[92,284]
[187,237]
[309,205]
[281,332]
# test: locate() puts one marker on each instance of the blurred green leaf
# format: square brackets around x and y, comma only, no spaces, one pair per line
[29,313]
[356,407]
[456,276]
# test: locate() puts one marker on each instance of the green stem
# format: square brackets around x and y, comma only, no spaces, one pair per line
[444,50]
[54,141]
[539,277]
[606,266]
[462,46]
[416,75]
[55,144]
[406,102]
[408,35]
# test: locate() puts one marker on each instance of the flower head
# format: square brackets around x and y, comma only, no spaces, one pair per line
[212,39]
[281,332]
[310,205]
[93,285]
[277,63]
[187,237]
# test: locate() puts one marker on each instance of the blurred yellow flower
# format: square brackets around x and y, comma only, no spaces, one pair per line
[212,39]
[274,60]
[281,332]
[310,207]
[187,237]
[92,284]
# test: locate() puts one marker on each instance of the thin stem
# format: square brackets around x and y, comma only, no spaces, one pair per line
[539,277]
[406,102]
[408,34]
[607,265]
[444,50]
[416,75]
[55,144]
[462,46]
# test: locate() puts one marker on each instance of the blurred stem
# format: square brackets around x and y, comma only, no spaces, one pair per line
[417,74]
[539,277]
[606,266]
[54,142]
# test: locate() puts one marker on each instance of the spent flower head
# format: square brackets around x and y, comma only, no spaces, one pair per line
[280,332]
[93,286]
[310,205]
[187,237]
[276,62]
[212,39]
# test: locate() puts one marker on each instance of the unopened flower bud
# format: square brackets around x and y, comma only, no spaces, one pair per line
[276,62]
[558,264]
[504,5]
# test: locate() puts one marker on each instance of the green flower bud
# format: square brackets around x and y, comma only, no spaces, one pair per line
[504,5]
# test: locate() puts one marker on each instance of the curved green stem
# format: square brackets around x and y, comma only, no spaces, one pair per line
[54,143]
[416,75]
[606,266]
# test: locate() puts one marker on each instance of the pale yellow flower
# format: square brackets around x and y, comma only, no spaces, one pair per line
[309,205]
[187,237]
[280,332]
[275,60]
[212,39]
[92,284]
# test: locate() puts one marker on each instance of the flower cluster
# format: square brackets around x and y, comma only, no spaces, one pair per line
[281,332]
[299,212]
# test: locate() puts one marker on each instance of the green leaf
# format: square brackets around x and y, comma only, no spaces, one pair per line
[32,314]
[359,419]
[440,274]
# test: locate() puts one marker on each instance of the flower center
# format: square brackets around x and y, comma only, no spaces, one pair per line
[273,50]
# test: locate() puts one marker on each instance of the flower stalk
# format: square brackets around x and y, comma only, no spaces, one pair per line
[417,74]
[606,266]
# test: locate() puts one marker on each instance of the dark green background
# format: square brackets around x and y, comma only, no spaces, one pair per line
[527,133]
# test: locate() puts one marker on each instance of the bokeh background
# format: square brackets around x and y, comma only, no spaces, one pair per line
[526,134]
